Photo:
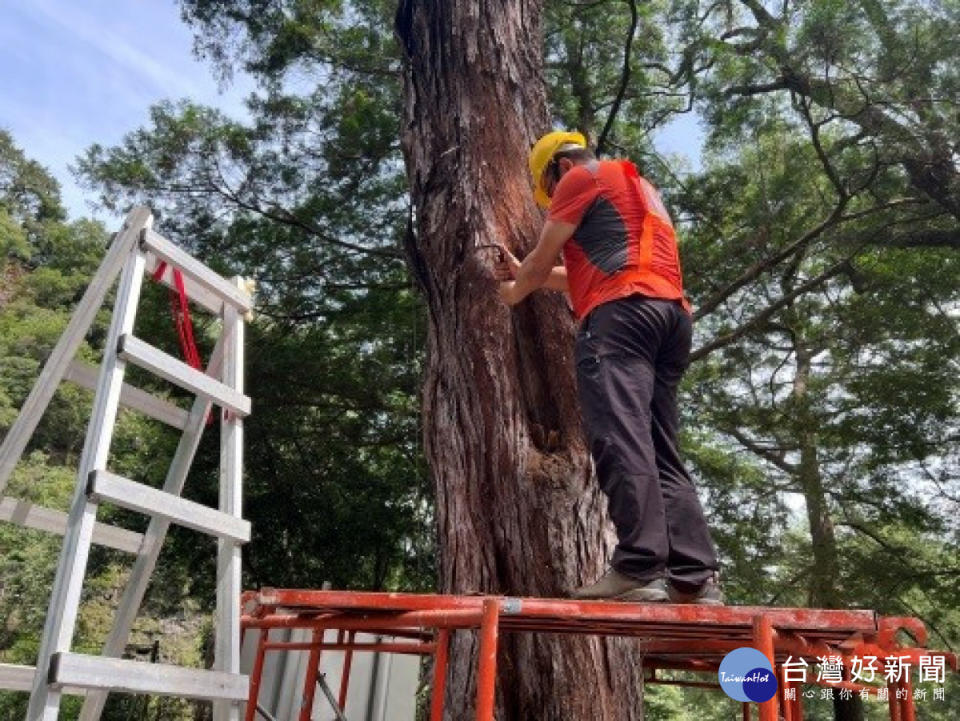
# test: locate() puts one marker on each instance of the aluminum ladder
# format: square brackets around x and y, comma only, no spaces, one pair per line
[136,250]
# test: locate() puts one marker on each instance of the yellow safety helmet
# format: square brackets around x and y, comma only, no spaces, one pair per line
[542,153]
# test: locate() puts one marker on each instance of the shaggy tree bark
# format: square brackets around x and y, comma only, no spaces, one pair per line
[518,512]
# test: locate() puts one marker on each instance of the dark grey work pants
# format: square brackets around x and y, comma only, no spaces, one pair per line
[631,354]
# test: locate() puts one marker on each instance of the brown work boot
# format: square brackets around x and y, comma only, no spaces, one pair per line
[708,594]
[615,586]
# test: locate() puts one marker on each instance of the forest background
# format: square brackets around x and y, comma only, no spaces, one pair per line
[819,236]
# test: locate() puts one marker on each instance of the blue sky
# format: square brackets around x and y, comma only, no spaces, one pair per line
[86,71]
[76,73]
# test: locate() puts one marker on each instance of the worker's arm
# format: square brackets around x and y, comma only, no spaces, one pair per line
[537,270]
[506,269]
[557,279]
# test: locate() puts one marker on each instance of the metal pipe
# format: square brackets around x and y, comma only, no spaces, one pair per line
[746,711]
[256,675]
[310,681]
[372,693]
[676,682]
[907,711]
[322,680]
[782,687]
[487,672]
[266,714]
[382,693]
[763,642]
[893,702]
[439,675]
[421,649]
[347,663]
[457,618]
[686,665]
[538,608]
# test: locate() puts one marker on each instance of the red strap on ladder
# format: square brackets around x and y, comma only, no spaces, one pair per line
[180,310]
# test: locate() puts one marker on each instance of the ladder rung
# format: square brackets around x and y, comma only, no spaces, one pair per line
[165,250]
[195,292]
[85,375]
[114,674]
[29,515]
[166,366]
[14,677]
[125,493]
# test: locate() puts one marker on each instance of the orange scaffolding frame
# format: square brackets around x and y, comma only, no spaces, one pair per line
[670,637]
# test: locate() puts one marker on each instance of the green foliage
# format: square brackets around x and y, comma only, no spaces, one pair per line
[29,195]
[819,244]
[819,247]
[309,198]
[13,239]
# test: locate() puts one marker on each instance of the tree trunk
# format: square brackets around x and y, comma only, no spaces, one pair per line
[518,511]
[825,572]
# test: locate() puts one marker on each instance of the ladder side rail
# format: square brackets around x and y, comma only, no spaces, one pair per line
[65,599]
[45,386]
[154,536]
[227,629]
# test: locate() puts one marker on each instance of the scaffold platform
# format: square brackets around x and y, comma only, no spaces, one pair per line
[669,637]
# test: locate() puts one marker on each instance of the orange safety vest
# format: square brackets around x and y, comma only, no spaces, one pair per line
[624,243]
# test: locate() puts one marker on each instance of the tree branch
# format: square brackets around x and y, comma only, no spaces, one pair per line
[836,217]
[768,312]
[624,78]
[775,459]
[285,217]
[748,90]
[927,238]
[803,104]
[761,14]
[757,269]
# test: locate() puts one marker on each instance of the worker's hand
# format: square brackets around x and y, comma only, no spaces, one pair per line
[506,265]
[508,293]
